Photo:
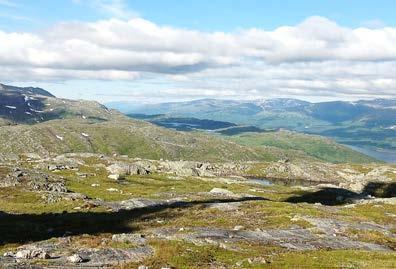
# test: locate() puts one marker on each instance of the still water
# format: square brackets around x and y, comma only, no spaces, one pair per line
[388,156]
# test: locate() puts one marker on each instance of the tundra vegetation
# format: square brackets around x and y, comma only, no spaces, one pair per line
[82,186]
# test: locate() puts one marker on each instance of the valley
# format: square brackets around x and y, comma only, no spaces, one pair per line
[364,124]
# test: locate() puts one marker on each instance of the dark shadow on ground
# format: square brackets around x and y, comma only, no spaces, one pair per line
[380,189]
[325,196]
[340,196]
[24,228]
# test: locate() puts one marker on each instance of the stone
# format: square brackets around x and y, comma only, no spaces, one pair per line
[32,253]
[222,192]
[114,176]
[23,254]
[238,228]
[8,254]
[32,156]
[112,189]
[293,238]
[143,267]
[129,238]
[75,258]
[225,206]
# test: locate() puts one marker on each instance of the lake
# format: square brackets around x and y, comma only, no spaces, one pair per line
[388,156]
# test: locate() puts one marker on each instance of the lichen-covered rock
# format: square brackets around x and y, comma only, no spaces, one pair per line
[32,253]
[75,258]
[129,238]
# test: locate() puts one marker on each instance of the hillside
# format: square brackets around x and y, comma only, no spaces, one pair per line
[296,145]
[125,136]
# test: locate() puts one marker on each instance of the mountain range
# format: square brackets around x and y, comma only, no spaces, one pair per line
[365,124]
[36,121]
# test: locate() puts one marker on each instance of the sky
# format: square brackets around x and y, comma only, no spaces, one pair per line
[168,50]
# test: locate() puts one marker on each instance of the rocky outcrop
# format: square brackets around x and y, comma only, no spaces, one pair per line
[121,169]
[64,254]
[33,180]
[293,239]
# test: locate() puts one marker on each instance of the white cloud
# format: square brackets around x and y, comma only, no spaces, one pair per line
[314,58]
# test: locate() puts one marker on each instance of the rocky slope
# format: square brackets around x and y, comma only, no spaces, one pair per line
[84,210]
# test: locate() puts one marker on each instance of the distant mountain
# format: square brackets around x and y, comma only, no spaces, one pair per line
[367,123]
[24,90]
[34,105]
[44,124]
[291,143]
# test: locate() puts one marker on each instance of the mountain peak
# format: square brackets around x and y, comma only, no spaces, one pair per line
[25,90]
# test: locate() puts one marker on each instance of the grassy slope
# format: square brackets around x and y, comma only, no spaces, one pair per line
[316,146]
[129,137]
[122,135]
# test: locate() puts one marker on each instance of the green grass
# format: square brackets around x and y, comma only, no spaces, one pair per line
[18,200]
[335,259]
[124,136]
[188,256]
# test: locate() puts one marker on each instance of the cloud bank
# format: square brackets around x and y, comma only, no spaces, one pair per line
[314,58]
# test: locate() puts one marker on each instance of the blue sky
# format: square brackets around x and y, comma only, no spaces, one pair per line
[153,51]
[207,15]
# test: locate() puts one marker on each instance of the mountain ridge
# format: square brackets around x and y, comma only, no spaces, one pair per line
[368,123]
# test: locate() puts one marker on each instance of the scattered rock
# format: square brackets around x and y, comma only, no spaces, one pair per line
[222,192]
[129,238]
[114,176]
[32,253]
[225,206]
[238,228]
[112,190]
[75,258]
[9,254]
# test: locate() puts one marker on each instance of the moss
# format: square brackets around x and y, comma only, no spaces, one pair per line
[334,259]
[372,236]
[184,255]
[378,213]
[18,200]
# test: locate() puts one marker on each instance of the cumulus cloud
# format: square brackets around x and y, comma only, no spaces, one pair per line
[317,57]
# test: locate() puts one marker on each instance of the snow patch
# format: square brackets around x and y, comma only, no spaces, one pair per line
[37,111]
